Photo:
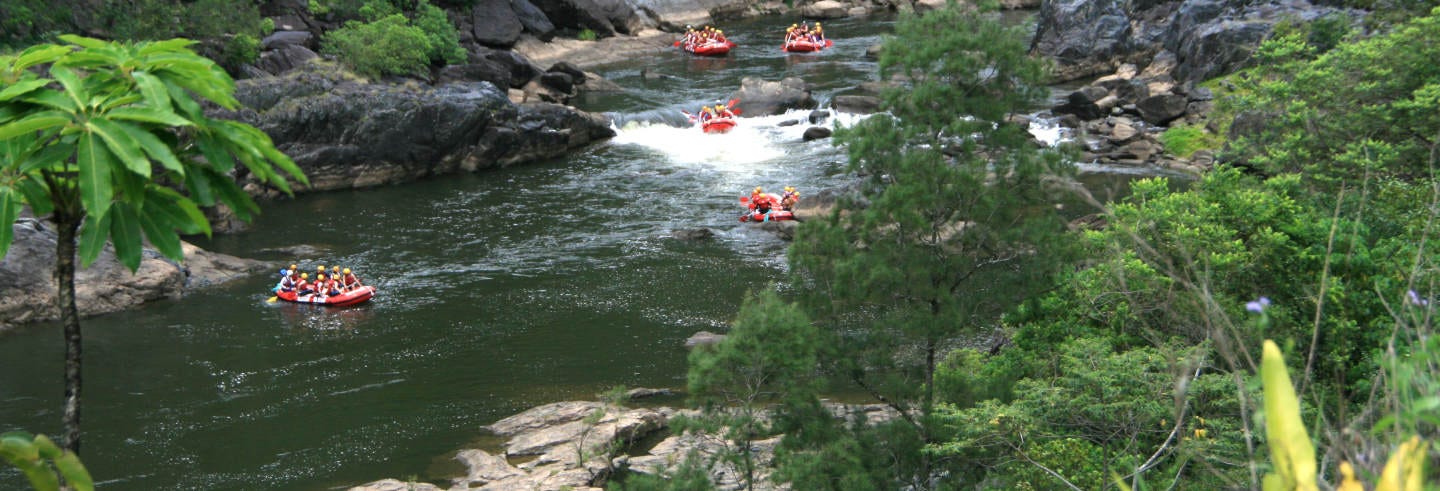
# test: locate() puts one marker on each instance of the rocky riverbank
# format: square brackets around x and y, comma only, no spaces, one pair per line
[27,286]
[581,445]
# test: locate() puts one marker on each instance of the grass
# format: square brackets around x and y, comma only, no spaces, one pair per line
[1184,140]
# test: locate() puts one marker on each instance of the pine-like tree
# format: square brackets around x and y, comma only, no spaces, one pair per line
[955,221]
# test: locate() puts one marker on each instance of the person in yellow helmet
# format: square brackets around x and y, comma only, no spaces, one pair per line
[303,287]
[723,111]
[349,281]
[819,34]
[788,200]
[706,114]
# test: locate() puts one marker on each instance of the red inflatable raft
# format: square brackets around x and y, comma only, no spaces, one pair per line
[710,48]
[352,297]
[805,46]
[718,125]
[775,216]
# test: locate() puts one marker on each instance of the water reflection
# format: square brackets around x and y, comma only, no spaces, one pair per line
[322,318]
[706,63]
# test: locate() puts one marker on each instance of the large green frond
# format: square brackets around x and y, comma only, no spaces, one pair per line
[93,235]
[33,123]
[22,87]
[9,210]
[121,144]
[125,234]
[153,147]
[95,162]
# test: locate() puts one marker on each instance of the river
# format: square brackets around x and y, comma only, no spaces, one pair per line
[498,291]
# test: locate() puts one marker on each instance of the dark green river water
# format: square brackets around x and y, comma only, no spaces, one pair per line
[498,291]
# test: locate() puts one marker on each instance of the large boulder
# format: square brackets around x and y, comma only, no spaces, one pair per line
[483,69]
[825,9]
[577,15]
[1209,37]
[358,135]
[1162,109]
[284,58]
[856,104]
[1085,37]
[491,23]
[533,19]
[287,38]
[674,15]
[760,97]
[1084,103]
[521,69]
[27,284]
[1220,46]
[624,16]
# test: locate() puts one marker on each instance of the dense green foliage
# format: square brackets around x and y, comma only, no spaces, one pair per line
[25,22]
[231,38]
[390,43]
[1133,357]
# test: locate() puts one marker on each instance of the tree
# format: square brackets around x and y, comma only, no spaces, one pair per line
[769,357]
[955,221]
[98,135]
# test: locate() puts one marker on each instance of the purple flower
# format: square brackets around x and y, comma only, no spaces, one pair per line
[1258,306]
[1416,300]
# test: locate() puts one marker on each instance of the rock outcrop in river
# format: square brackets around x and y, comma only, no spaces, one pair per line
[27,283]
[346,133]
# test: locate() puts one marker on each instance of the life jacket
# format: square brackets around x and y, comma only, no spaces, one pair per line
[351,281]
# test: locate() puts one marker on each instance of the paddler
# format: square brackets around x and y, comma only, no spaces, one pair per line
[349,281]
[335,276]
[303,287]
[724,112]
[287,280]
[791,196]
[819,35]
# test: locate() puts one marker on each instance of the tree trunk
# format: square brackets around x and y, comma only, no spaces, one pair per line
[70,317]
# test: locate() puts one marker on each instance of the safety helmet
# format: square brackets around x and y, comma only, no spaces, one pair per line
[817,24]
[789,189]
[347,271]
[320,276]
[334,268]
[304,275]
[284,272]
[758,190]
[321,269]
[292,267]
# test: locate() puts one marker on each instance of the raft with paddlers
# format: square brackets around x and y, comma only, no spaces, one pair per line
[718,119]
[718,125]
[770,207]
[709,48]
[706,41]
[339,289]
[805,45]
[802,39]
[352,297]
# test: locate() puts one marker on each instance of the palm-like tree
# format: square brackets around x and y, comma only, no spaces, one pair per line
[110,140]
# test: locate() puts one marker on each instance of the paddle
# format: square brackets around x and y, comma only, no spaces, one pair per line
[271,299]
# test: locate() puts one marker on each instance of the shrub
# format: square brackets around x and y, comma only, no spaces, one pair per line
[444,41]
[389,46]
[1184,141]
[587,35]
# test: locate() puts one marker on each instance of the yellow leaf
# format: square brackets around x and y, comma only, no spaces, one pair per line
[1291,451]
[1348,482]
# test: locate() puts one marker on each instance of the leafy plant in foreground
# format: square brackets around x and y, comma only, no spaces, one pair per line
[100,134]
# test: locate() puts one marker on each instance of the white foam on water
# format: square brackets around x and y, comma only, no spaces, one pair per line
[753,142]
